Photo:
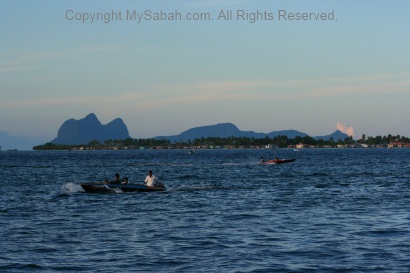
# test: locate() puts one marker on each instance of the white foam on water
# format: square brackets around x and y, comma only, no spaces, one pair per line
[117,190]
[194,187]
[72,187]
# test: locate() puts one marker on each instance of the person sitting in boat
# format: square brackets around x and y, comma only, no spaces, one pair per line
[116,180]
[276,159]
[150,180]
[262,160]
[106,181]
[125,181]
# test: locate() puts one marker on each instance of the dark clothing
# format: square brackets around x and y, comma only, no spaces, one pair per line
[117,181]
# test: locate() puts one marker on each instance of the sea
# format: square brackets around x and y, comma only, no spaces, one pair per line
[331,210]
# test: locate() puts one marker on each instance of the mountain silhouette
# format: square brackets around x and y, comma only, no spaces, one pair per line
[74,132]
[224,130]
[335,135]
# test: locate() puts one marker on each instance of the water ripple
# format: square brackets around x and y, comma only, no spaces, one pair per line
[342,210]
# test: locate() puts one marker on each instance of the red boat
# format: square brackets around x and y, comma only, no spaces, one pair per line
[276,161]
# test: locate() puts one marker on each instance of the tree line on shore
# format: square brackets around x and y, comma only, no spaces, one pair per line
[279,141]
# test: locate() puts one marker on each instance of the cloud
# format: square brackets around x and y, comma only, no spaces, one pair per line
[26,62]
[196,93]
[34,61]
[344,129]
[264,89]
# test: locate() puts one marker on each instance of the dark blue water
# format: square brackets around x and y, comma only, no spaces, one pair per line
[332,210]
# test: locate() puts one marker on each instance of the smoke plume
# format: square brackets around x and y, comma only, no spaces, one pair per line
[344,129]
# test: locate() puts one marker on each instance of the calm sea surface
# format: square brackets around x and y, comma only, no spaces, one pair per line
[332,210]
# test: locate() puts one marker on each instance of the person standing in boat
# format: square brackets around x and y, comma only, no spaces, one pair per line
[116,180]
[150,180]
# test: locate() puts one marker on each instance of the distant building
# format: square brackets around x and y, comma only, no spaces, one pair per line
[380,146]
[398,144]
[301,145]
[362,145]
[271,146]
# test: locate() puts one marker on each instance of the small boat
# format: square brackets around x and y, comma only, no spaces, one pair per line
[277,161]
[101,187]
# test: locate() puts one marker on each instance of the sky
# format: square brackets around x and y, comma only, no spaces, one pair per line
[350,71]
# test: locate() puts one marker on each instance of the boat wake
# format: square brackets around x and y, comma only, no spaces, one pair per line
[232,164]
[196,188]
[161,165]
[116,190]
[71,187]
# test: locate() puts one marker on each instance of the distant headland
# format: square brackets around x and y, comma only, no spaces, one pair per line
[89,134]
[75,132]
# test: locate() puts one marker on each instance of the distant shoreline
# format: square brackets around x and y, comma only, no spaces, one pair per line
[232,143]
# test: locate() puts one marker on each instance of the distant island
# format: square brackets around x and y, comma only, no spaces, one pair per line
[75,132]
[89,134]
[225,130]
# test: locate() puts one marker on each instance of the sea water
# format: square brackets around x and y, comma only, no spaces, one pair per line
[332,210]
